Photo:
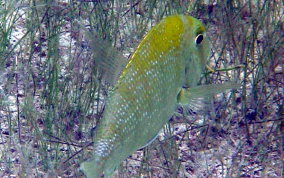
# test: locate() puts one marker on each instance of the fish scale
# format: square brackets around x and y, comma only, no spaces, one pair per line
[146,94]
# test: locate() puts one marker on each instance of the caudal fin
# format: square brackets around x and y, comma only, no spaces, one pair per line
[92,168]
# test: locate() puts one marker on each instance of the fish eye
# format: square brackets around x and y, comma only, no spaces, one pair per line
[198,39]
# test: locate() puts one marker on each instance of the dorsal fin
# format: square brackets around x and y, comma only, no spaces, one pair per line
[110,61]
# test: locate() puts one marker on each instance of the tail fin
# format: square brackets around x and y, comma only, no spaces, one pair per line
[92,168]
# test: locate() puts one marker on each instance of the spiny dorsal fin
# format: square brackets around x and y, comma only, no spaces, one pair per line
[110,61]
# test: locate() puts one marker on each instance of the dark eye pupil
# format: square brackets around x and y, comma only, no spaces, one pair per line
[199,39]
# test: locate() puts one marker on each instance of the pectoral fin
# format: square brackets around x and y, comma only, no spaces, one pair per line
[186,95]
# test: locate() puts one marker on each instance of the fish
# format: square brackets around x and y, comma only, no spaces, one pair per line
[162,73]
